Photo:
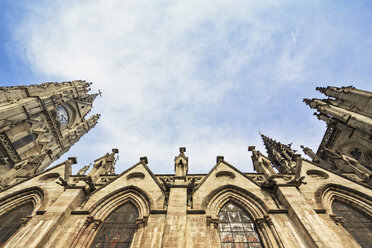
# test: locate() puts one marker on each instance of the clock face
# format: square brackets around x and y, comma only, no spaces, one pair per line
[62,115]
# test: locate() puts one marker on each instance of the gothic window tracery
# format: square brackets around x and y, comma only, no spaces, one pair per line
[237,229]
[118,228]
[355,222]
[11,221]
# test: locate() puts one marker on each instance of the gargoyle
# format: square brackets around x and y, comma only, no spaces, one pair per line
[63,182]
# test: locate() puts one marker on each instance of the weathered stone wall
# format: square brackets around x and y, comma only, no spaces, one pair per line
[300,216]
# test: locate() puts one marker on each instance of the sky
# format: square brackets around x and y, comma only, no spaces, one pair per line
[208,75]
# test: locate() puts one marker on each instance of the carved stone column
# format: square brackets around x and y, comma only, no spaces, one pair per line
[262,229]
[79,236]
[141,224]
[90,228]
[270,223]
[212,228]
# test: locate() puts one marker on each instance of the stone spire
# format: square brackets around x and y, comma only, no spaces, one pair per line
[281,156]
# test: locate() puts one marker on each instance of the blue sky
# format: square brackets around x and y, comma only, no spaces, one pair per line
[208,75]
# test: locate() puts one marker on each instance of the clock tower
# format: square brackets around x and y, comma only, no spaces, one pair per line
[39,123]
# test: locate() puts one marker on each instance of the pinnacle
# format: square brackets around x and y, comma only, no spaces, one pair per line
[321,89]
[271,144]
[219,159]
[314,102]
[304,148]
[144,160]
[307,101]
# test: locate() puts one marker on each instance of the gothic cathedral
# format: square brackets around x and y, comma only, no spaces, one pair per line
[289,201]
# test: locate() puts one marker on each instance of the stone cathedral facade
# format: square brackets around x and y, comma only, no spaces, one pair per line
[289,201]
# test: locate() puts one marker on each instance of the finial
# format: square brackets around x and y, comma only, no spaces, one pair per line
[296,156]
[182,149]
[307,101]
[115,150]
[219,159]
[72,160]
[144,160]
[251,148]
[321,89]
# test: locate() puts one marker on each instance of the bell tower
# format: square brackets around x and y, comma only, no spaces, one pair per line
[39,123]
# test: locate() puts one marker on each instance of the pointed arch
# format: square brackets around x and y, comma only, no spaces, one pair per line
[33,194]
[102,210]
[348,208]
[107,204]
[325,195]
[357,223]
[250,204]
[219,197]
[118,228]
[16,210]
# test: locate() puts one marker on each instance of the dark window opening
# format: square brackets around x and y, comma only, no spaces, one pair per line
[24,141]
[118,228]
[10,221]
[356,223]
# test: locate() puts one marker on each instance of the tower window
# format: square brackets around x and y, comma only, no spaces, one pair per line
[118,228]
[24,141]
[237,229]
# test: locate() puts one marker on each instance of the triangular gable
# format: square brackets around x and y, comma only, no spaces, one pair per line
[225,176]
[62,169]
[139,175]
[127,172]
[219,164]
[83,108]
[310,169]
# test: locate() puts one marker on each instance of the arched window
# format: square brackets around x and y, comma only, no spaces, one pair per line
[237,229]
[11,221]
[357,223]
[118,228]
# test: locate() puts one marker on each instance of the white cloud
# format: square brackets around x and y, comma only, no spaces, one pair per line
[167,69]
